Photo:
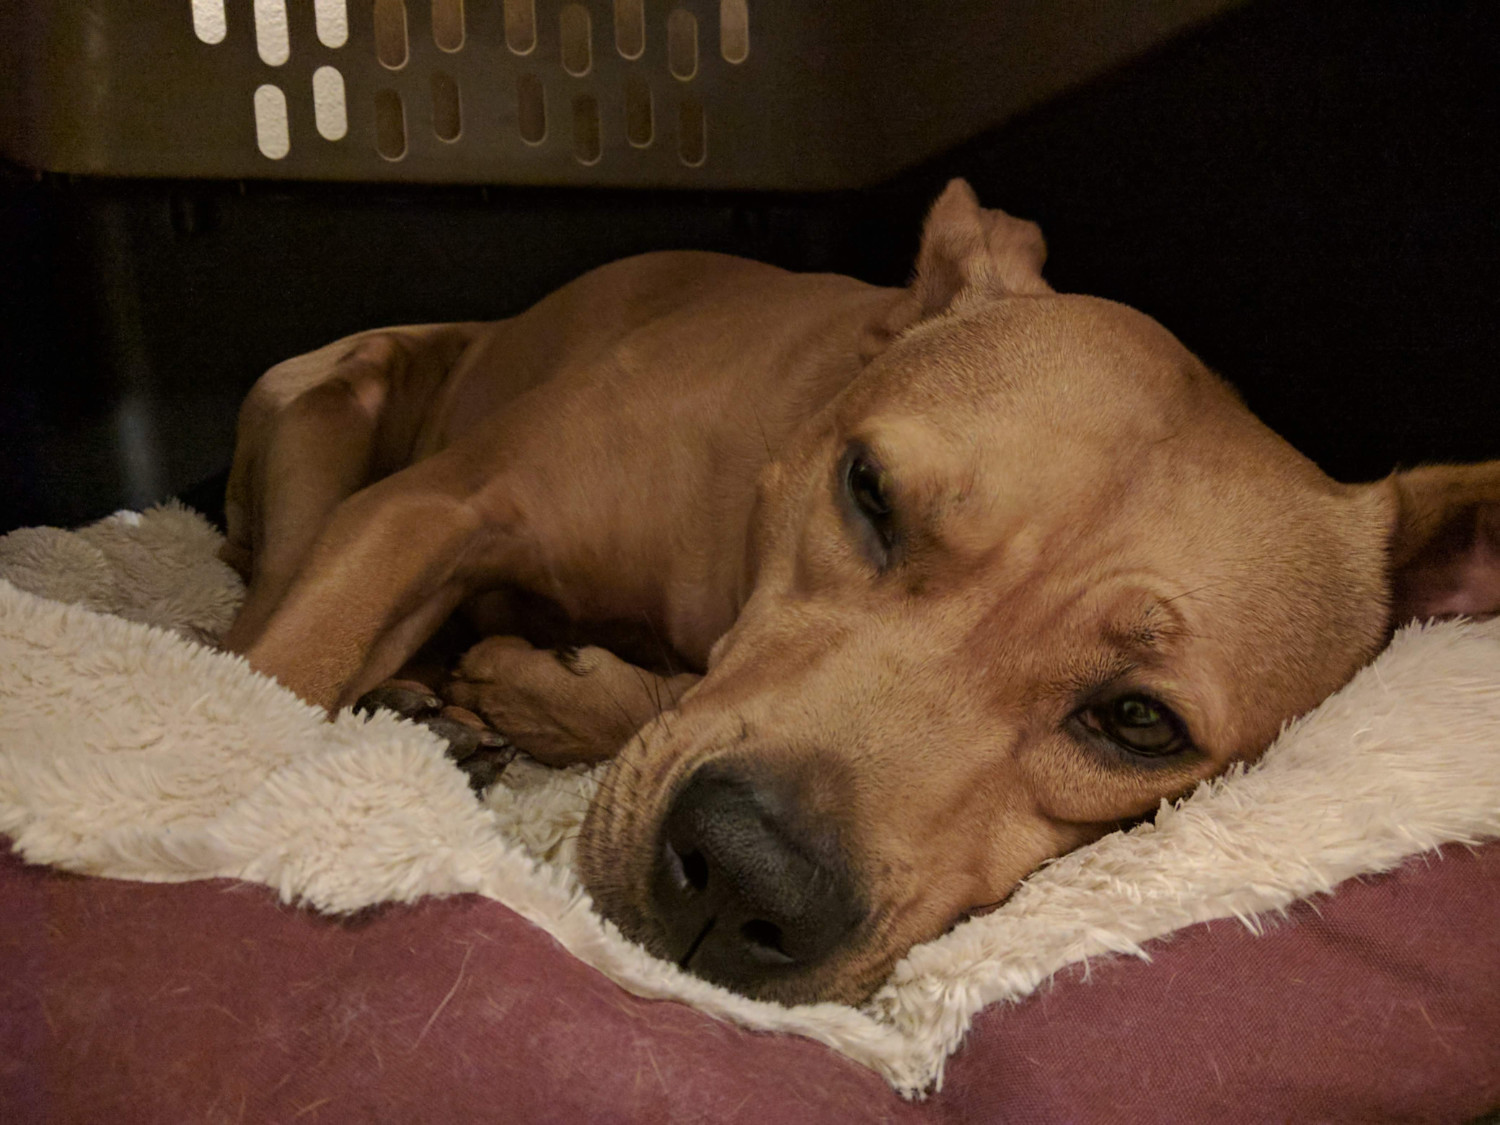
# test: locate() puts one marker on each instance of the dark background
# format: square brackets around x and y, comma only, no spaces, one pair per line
[1308,194]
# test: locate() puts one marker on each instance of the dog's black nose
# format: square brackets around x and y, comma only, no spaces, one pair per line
[745,891]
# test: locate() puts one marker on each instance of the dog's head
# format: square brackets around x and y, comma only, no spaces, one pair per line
[1036,570]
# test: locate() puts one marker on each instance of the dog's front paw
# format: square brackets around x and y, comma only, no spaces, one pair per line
[474,747]
[562,706]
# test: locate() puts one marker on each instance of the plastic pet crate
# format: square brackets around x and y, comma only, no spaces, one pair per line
[667,93]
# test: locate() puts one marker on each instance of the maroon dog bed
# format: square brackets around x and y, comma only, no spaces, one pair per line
[208,1001]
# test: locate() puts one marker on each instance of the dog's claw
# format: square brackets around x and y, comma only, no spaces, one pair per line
[406,698]
[480,752]
[486,765]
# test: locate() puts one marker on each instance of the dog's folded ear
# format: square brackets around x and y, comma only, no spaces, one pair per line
[1445,542]
[968,253]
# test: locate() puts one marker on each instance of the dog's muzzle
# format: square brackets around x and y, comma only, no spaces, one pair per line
[746,893]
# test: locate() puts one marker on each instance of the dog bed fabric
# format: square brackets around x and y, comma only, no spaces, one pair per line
[205,1002]
[129,749]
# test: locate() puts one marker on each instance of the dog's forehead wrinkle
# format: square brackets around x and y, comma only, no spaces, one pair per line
[1059,350]
[1097,632]
[980,482]
[968,508]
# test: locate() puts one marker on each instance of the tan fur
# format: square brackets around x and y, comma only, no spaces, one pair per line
[651,454]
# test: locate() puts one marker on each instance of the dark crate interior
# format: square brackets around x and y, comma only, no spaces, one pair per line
[1306,194]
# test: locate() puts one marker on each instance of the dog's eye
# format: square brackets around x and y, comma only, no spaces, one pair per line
[867,487]
[1139,724]
[865,482]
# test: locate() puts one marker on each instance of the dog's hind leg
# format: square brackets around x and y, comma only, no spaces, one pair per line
[561,706]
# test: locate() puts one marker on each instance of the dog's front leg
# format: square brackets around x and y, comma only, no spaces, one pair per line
[394,561]
[564,706]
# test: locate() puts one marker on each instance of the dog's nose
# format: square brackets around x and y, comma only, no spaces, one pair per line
[744,890]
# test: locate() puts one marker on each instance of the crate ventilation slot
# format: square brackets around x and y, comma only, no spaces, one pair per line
[272,38]
[329,110]
[447,115]
[520,26]
[586,129]
[630,28]
[734,30]
[332,20]
[638,120]
[682,44]
[448,25]
[390,125]
[272,136]
[208,20]
[576,34]
[531,109]
[390,33]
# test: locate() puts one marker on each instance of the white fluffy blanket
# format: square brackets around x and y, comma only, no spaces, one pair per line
[130,749]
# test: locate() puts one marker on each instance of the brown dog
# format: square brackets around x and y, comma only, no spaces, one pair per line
[972,573]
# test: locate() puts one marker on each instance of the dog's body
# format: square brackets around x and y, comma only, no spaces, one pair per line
[1023,546]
